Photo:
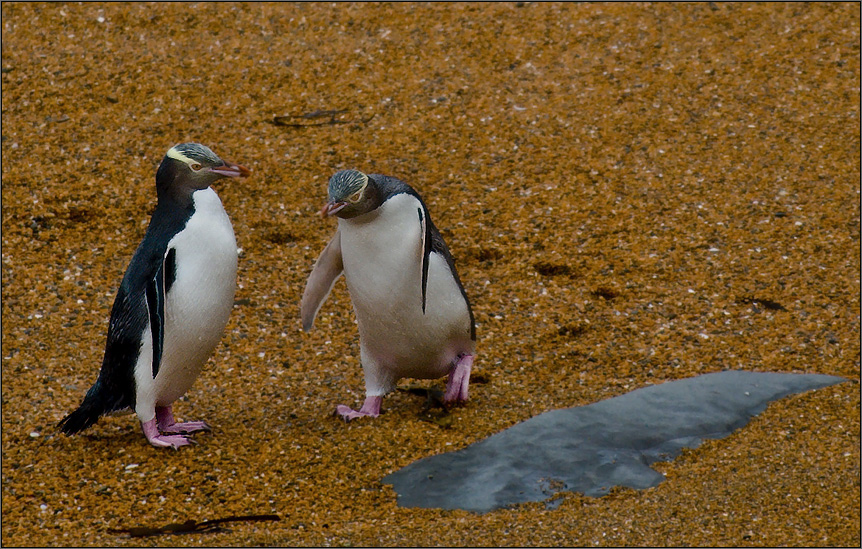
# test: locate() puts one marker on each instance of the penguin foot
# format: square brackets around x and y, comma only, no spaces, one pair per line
[459,380]
[167,424]
[370,408]
[151,431]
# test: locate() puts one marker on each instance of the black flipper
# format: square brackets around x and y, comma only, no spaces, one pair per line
[170,269]
[426,252]
[156,291]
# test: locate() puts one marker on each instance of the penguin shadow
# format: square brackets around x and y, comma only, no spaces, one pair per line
[434,409]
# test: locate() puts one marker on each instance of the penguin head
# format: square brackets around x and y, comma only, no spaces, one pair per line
[351,193]
[190,167]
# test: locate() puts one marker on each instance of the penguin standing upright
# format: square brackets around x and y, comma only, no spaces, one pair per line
[414,317]
[173,303]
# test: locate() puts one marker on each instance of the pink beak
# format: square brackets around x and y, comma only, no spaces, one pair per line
[332,208]
[231,170]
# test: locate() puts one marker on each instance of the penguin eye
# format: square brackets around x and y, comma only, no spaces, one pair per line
[354,198]
[196,167]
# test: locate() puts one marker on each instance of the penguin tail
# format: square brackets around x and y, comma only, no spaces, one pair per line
[91,409]
[80,419]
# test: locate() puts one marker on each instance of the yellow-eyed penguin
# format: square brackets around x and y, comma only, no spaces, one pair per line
[173,303]
[414,317]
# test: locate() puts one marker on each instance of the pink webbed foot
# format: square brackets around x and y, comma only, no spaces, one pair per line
[151,431]
[370,408]
[166,423]
[459,380]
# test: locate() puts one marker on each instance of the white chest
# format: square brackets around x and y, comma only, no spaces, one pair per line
[199,302]
[382,255]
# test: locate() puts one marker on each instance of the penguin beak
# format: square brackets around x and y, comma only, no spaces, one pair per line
[332,208]
[231,170]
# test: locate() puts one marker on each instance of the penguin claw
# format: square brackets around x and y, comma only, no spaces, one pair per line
[166,424]
[187,427]
[171,441]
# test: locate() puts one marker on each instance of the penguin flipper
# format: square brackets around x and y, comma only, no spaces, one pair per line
[425,229]
[155,294]
[326,271]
